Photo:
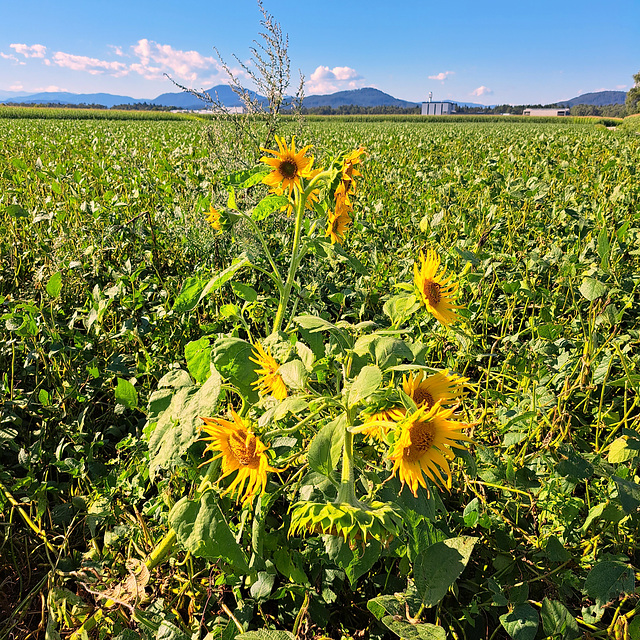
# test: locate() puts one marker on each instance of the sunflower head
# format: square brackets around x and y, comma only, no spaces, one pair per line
[378,520]
[434,289]
[219,220]
[288,167]
[269,380]
[242,451]
[337,223]
[423,446]
[441,387]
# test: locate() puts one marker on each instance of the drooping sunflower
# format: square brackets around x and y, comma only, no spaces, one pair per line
[288,166]
[242,451]
[347,185]
[435,290]
[377,425]
[441,387]
[269,380]
[337,223]
[423,444]
[214,218]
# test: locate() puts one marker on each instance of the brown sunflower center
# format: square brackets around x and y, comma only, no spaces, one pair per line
[244,452]
[432,292]
[288,169]
[422,396]
[422,435]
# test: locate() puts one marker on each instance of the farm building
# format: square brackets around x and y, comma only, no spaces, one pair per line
[546,112]
[436,108]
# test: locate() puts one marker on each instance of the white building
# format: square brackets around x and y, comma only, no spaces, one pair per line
[437,108]
[546,112]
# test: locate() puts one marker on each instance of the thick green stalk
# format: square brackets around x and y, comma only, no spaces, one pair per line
[347,490]
[296,254]
[293,267]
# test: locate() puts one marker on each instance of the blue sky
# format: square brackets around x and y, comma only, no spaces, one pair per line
[516,52]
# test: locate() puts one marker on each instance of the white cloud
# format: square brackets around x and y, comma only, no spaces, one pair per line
[94,66]
[10,56]
[157,59]
[324,80]
[117,50]
[30,51]
[51,88]
[16,87]
[620,87]
[482,91]
[442,76]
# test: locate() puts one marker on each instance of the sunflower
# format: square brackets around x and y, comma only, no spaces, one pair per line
[440,388]
[242,451]
[435,290]
[337,223]
[347,185]
[269,380]
[214,218]
[288,166]
[377,425]
[423,446]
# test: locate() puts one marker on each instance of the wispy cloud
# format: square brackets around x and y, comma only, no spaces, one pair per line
[52,88]
[94,66]
[482,91]
[30,51]
[189,66]
[10,56]
[147,58]
[16,87]
[620,87]
[326,80]
[442,76]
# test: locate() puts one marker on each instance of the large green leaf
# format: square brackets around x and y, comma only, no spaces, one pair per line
[195,289]
[607,580]
[247,178]
[367,381]
[387,605]
[326,447]
[265,634]
[179,424]
[521,623]
[198,356]
[409,631]
[362,561]
[439,566]
[126,394]
[231,358]
[202,529]
[54,286]
[268,205]
[592,289]
[557,621]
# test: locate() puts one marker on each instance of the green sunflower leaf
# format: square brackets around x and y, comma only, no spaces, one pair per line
[439,566]
[202,529]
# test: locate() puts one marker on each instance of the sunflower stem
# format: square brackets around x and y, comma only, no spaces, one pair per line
[293,267]
[265,247]
[347,490]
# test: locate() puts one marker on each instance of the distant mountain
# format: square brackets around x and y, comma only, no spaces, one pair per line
[368,97]
[598,99]
[185,100]
[63,97]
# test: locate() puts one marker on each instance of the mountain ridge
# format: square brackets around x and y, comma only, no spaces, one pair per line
[365,97]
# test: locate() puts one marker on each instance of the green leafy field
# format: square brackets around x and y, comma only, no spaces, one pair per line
[104,251]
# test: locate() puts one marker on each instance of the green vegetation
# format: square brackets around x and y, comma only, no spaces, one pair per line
[633,96]
[99,113]
[103,253]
